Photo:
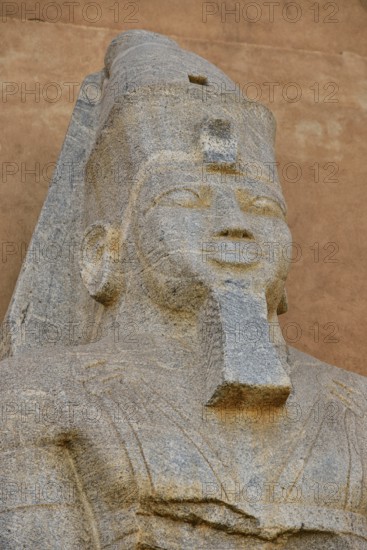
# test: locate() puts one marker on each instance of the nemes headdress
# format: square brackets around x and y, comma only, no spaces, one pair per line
[159,97]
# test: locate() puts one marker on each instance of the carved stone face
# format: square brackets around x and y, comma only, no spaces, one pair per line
[196,231]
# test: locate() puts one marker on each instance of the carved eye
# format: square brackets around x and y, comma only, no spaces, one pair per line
[186,198]
[266,207]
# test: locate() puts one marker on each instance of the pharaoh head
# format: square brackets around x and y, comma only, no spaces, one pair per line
[181,211]
[181,184]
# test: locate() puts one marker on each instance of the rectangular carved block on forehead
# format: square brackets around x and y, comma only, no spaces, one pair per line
[219,143]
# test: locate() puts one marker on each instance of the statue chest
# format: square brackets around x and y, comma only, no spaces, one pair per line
[264,471]
[301,466]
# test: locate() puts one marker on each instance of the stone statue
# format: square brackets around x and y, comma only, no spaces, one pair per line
[148,397]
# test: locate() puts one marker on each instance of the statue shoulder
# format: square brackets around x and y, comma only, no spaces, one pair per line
[41,369]
[301,360]
[313,376]
[54,366]
[39,397]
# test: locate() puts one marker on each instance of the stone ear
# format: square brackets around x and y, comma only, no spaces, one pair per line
[100,262]
[283,304]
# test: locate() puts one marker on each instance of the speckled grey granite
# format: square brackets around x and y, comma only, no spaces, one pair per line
[148,398]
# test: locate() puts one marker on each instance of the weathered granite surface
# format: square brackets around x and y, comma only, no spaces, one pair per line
[148,397]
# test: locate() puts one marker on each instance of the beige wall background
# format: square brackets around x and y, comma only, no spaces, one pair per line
[306,60]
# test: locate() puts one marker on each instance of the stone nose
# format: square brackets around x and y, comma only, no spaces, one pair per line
[230,221]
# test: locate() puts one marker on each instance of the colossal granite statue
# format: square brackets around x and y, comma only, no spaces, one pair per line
[148,398]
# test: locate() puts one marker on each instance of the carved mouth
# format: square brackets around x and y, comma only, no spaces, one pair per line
[232,250]
[235,263]
[234,256]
